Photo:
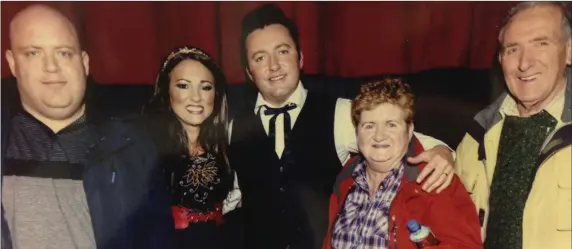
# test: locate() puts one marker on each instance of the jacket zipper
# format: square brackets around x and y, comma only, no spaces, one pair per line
[113,177]
[394,232]
[538,164]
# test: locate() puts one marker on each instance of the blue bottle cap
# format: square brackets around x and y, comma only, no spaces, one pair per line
[413,226]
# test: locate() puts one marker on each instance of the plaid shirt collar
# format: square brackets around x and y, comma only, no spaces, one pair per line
[360,177]
[364,221]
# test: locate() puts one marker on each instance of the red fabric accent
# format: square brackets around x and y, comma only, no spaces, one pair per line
[451,215]
[127,40]
[183,217]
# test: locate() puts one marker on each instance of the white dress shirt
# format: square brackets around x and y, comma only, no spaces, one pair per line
[344,133]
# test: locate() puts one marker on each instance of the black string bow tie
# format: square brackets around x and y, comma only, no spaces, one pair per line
[277,111]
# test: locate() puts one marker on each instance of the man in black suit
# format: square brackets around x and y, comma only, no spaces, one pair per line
[288,146]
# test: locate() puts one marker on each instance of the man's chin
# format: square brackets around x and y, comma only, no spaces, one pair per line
[530,99]
[61,111]
[278,96]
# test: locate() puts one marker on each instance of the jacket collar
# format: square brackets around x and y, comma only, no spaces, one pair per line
[114,135]
[491,115]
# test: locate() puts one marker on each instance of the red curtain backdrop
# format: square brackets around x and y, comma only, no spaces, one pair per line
[127,40]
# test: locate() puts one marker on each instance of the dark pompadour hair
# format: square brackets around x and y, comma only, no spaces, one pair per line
[262,17]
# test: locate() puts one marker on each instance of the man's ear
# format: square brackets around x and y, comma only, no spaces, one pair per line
[569,51]
[500,42]
[301,62]
[411,129]
[248,73]
[10,60]
[85,61]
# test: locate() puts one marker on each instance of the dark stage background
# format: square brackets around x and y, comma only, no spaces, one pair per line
[127,40]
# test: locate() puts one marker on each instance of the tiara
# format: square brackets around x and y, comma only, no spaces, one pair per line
[186,50]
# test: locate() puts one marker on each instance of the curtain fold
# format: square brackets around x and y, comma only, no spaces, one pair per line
[127,40]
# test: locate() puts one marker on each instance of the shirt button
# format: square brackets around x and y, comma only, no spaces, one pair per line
[281,169]
[282,190]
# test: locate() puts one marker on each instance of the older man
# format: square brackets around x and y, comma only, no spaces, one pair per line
[54,194]
[516,162]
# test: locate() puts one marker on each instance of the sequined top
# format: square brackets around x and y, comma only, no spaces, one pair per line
[199,182]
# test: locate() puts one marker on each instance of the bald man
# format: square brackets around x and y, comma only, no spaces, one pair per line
[46,58]
[58,189]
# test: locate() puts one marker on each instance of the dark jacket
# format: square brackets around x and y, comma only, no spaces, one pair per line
[451,214]
[126,194]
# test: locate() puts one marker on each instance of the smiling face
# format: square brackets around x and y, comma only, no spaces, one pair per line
[534,56]
[192,92]
[49,64]
[383,136]
[273,62]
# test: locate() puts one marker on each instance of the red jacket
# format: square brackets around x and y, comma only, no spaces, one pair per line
[451,215]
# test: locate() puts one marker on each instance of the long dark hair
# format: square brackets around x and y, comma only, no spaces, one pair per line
[213,131]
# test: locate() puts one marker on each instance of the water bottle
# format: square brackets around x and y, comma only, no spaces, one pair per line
[421,235]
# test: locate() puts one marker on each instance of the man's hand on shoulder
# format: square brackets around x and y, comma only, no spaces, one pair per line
[439,168]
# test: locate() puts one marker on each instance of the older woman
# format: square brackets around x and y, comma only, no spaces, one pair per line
[376,194]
